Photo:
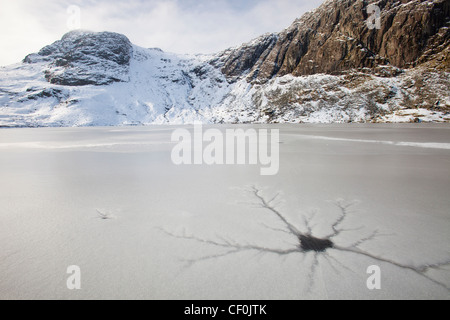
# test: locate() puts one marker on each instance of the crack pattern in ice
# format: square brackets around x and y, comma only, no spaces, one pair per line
[308,244]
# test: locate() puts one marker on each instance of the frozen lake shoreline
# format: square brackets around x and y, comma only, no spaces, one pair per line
[111,201]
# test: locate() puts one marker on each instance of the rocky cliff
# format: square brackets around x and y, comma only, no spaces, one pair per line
[336,38]
[83,58]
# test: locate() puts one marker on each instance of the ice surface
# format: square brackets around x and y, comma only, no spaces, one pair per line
[110,201]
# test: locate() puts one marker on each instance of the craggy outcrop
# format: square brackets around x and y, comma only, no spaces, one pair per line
[336,38]
[86,58]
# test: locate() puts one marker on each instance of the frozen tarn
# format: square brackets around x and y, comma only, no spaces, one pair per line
[140,227]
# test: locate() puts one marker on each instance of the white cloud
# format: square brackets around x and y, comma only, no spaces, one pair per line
[184,26]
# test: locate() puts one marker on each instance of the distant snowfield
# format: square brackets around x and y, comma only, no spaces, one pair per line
[110,201]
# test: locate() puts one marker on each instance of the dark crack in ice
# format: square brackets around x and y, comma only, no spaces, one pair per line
[308,244]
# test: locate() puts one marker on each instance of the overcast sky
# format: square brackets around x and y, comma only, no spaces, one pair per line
[182,26]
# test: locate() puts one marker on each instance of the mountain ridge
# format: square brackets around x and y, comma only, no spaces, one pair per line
[328,66]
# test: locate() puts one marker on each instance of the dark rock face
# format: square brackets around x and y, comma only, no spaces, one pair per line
[86,58]
[235,62]
[336,38]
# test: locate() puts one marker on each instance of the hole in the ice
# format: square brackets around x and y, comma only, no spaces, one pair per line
[310,243]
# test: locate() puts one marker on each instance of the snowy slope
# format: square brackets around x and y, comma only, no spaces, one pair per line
[100,79]
[162,88]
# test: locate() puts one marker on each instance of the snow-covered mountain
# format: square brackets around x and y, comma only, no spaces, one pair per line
[326,67]
[101,79]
